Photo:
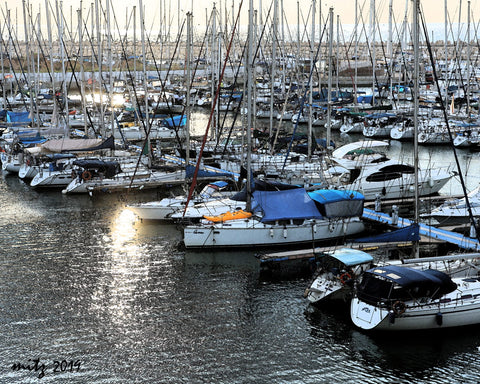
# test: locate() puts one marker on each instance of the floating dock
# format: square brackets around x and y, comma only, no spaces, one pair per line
[430,231]
[304,260]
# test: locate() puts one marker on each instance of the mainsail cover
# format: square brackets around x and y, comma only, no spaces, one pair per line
[286,204]
[76,145]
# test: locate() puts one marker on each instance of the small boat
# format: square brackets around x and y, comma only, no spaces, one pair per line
[287,217]
[163,209]
[453,212]
[336,274]
[394,298]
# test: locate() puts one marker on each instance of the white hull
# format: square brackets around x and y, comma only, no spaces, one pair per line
[11,164]
[51,179]
[454,313]
[352,128]
[27,171]
[253,233]
[157,210]
[399,132]
[211,208]
[124,181]
[377,131]
[404,187]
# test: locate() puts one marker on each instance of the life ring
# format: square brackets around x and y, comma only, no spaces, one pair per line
[344,277]
[86,175]
[399,307]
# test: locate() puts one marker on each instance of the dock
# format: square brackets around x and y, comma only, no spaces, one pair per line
[429,231]
[303,261]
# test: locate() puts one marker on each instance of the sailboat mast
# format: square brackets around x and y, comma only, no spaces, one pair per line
[250,101]
[310,93]
[274,69]
[468,59]
[144,62]
[189,86]
[416,53]
[330,64]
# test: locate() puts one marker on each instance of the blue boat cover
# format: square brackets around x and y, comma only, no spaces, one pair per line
[338,203]
[18,117]
[286,204]
[408,277]
[324,196]
[410,233]
[350,256]
[175,121]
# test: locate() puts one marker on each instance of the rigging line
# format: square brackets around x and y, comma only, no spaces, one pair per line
[8,56]
[457,161]
[370,57]
[241,97]
[74,76]
[19,62]
[179,142]
[192,186]
[302,104]
[164,83]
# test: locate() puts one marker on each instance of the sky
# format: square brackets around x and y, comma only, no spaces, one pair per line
[434,10]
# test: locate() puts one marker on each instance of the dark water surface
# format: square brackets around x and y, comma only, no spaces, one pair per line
[113,300]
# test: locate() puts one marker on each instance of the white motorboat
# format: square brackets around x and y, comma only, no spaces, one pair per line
[394,298]
[336,274]
[362,167]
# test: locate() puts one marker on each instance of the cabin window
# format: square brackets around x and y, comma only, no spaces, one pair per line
[383,176]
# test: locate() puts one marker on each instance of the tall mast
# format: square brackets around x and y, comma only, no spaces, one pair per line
[4,93]
[330,63]
[416,53]
[250,101]
[274,58]
[100,67]
[468,59]
[310,93]
[446,52]
[372,47]
[82,70]
[144,61]
[189,84]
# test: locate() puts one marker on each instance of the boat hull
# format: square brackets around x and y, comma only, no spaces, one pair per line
[459,308]
[252,233]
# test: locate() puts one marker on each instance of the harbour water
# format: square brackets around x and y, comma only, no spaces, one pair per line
[90,295]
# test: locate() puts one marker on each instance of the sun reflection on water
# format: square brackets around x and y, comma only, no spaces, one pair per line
[125,266]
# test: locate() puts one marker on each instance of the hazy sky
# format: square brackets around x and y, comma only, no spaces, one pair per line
[434,9]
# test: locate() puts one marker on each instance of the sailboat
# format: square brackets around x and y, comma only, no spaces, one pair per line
[288,217]
[400,298]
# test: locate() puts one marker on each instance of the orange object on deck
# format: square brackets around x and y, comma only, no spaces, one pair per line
[240,214]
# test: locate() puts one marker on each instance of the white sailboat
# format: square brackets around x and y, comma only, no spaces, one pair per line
[395,298]
[288,217]
[165,208]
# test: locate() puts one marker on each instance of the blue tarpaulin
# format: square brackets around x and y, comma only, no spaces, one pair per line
[407,277]
[286,204]
[175,121]
[410,233]
[350,256]
[18,117]
[338,202]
